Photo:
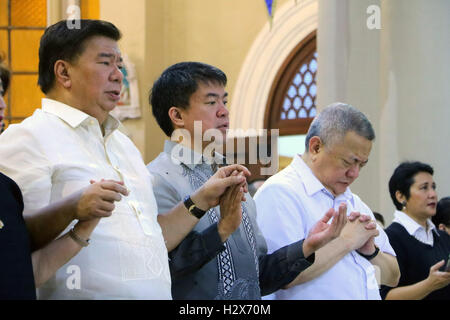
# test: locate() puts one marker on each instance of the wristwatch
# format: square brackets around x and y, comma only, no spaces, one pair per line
[370,256]
[192,208]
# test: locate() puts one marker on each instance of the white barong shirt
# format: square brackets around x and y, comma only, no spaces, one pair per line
[56,152]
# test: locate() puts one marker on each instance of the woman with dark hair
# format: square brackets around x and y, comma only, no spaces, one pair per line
[442,218]
[422,250]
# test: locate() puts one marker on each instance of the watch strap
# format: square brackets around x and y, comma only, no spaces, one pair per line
[370,256]
[192,208]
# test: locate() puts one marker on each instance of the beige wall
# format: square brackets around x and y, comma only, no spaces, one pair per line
[415,85]
[398,76]
[133,25]
[349,72]
[159,33]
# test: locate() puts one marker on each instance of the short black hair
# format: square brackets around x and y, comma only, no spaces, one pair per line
[442,213]
[61,42]
[175,87]
[379,217]
[403,178]
[5,74]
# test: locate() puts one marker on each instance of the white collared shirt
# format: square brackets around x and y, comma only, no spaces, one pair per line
[415,229]
[56,152]
[288,205]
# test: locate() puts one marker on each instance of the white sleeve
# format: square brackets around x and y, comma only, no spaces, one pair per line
[22,160]
[279,215]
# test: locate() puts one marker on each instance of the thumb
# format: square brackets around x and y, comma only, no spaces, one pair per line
[92,181]
[437,266]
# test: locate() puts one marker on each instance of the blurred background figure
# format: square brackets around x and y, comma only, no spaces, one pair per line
[380,219]
[254,186]
[4,84]
[442,218]
[422,249]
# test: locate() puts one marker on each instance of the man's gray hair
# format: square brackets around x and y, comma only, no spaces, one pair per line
[335,120]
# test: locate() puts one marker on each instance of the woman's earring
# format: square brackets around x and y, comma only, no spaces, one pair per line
[404,204]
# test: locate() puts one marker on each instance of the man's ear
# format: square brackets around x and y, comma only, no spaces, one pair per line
[62,74]
[176,117]
[315,145]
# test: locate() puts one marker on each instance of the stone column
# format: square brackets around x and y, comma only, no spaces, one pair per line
[415,88]
[348,71]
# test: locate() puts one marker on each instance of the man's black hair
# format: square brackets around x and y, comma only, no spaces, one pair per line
[64,41]
[175,87]
[442,213]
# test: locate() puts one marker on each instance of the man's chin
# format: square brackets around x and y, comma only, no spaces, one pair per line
[340,188]
[108,107]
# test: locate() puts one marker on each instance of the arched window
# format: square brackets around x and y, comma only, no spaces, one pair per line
[292,100]
[291,106]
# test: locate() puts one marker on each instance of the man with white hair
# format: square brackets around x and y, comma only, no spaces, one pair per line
[338,145]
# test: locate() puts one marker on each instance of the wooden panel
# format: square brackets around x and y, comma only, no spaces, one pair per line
[30,13]
[3,13]
[4,44]
[25,95]
[25,50]
[90,9]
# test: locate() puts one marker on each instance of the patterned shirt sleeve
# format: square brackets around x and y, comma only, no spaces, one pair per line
[282,267]
[197,248]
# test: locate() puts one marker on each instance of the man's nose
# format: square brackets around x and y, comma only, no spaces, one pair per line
[223,111]
[353,172]
[117,75]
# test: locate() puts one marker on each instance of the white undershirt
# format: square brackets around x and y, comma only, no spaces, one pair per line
[415,229]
